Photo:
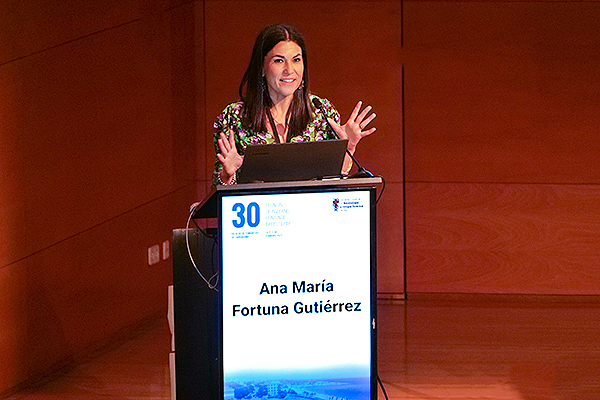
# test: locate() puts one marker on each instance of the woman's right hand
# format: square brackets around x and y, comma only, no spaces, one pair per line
[228,157]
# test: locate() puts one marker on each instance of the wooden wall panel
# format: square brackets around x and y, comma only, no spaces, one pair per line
[187,86]
[62,301]
[345,53]
[502,91]
[499,238]
[97,163]
[92,134]
[390,242]
[501,144]
[29,27]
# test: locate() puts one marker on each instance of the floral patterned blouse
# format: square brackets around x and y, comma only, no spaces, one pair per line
[231,120]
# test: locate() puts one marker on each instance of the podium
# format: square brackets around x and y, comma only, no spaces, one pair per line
[279,301]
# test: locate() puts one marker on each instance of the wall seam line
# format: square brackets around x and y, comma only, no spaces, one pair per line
[97,225]
[68,42]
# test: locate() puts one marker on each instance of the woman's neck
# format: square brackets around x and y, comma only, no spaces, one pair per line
[280,108]
[279,111]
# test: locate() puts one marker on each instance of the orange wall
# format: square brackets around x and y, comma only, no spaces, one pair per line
[94,169]
[106,126]
[502,144]
[106,111]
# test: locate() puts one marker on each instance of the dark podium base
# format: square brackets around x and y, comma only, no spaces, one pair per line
[196,309]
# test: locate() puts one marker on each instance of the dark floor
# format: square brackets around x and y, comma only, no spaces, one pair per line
[429,348]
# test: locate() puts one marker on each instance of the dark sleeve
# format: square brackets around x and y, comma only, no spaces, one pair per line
[320,122]
[223,124]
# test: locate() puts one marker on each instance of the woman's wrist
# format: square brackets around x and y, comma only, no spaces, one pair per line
[226,179]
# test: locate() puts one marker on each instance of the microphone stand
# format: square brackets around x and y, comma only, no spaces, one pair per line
[362,173]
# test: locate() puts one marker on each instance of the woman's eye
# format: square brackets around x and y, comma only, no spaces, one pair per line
[297,59]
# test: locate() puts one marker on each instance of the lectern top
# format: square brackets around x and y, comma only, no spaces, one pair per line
[208,206]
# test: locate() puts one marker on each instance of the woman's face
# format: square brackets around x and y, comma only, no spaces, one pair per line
[284,70]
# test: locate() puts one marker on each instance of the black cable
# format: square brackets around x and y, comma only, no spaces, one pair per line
[382,189]
[215,267]
[382,388]
[204,231]
[189,250]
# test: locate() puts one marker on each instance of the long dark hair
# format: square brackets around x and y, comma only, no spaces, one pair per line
[257,101]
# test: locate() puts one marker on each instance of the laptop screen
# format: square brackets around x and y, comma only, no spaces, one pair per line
[293,161]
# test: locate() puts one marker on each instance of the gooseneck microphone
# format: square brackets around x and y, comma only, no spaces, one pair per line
[362,173]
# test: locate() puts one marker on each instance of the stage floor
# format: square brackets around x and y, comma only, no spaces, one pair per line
[430,347]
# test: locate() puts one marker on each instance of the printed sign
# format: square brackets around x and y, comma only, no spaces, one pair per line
[296,295]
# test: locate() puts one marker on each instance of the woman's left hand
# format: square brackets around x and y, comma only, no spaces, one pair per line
[353,128]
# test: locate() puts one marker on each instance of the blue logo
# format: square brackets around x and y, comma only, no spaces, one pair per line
[246,215]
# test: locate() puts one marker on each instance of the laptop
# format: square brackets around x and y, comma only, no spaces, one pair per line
[280,162]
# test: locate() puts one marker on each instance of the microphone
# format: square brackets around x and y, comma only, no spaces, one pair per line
[362,173]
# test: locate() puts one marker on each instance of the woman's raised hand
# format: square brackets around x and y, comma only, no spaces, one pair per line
[353,128]
[229,156]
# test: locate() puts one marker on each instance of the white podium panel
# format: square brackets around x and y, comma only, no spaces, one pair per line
[298,312]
